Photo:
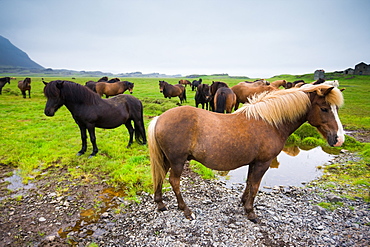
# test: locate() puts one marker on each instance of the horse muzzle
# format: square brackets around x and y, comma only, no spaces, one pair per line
[49,113]
[335,140]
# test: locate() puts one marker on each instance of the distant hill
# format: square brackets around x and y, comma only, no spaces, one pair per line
[13,57]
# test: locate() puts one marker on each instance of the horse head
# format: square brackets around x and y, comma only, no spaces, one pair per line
[162,85]
[323,115]
[54,98]
[130,86]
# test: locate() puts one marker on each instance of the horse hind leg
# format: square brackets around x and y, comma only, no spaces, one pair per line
[131,132]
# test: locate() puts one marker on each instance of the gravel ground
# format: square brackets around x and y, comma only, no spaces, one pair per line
[66,212]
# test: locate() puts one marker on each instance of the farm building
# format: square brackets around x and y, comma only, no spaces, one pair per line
[362,69]
[320,73]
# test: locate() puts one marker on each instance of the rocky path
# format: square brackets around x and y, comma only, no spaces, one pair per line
[65,212]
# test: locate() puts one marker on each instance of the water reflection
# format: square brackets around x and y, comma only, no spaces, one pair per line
[16,185]
[292,167]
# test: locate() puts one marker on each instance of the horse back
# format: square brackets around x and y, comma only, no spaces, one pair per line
[218,141]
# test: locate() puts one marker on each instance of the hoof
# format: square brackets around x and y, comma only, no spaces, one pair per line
[91,156]
[256,220]
[162,209]
[79,153]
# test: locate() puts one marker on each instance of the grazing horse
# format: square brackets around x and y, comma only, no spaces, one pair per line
[254,135]
[293,84]
[169,90]
[25,85]
[202,96]
[195,84]
[244,92]
[91,85]
[4,81]
[115,88]
[213,89]
[279,83]
[104,79]
[224,100]
[185,82]
[90,111]
[114,80]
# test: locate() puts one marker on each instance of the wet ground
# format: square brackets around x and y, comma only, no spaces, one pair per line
[55,207]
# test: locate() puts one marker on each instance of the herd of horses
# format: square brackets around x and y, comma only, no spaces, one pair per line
[252,135]
[23,85]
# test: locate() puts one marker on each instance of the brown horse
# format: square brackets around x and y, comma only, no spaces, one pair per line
[254,135]
[184,82]
[25,85]
[224,100]
[115,88]
[279,83]
[169,90]
[245,91]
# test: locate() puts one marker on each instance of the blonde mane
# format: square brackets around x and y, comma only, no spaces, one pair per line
[288,105]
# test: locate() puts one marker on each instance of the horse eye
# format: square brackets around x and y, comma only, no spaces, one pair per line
[324,109]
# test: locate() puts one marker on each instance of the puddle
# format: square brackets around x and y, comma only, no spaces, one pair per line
[293,167]
[15,184]
[92,215]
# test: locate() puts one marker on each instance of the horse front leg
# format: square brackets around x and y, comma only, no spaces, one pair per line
[29,93]
[91,130]
[131,132]
[83,140]
[175,175]
[255,174]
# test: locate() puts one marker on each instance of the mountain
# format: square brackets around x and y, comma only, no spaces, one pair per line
[13,57]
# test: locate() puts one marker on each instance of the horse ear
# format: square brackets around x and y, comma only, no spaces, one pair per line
[60,84]
[327,91]
[45,83]
[342,89]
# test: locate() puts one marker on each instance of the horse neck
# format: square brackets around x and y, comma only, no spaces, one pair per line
[287,129]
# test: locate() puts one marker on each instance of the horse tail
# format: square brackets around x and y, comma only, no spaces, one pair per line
[184,94]
[140,135]
[156,156]
[220,102]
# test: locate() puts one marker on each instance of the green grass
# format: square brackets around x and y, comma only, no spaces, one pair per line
[32,141]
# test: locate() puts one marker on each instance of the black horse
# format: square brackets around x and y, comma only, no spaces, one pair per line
[195,84]
[202,96]
[4,81]
[90,111]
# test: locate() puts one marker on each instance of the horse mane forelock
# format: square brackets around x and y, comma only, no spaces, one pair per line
[335,96]
[281,106]
[276,107]
[75,92]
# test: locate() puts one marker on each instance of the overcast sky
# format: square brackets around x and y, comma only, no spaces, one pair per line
[239,37]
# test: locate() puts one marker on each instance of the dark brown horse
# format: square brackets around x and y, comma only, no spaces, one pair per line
[169,90]
[25,85]
[115,88]
[103,79]
[91,85]
[195,84]
[90,111]
[184,82]
[224,100]
[254,135]
[213,89]
[245,91]
[202,96]
[4,81]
